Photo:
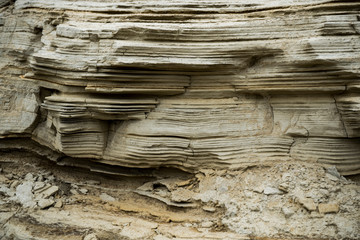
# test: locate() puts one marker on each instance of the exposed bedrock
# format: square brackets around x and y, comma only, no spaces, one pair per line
[186,84]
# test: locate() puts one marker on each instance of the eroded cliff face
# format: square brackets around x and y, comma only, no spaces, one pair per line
[40,200]
[254,99]
[185,84]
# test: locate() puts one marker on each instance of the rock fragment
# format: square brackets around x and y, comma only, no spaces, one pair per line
[9,176]
[48,192]
[3,179]
[50,178]
[74,192]
[207,224]
[91,236]
[332,177]
[288,212]
[7,191]
[107,198]
[333,171]
[38,186]
[29,177]
[24,194]
[272,191]
[181,195]
[328,208]
[284,187]
[45,203]
[314,214]
[308,203]
[40,178]
[58,204]
[139,229]
[149,186]
[92,182]
[83,191]
[14,184]
[209,209]
[258,189]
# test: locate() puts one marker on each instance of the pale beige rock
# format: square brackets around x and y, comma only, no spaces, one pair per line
[45,203]
[223,84]
[38,186]
[182,195]
[58,204]
[91,236]
[107,198]
[209,209]
[139,229]
[288,212]
[14,184]
[46,193]
[308,203]
[83,190]
[272,191]
[328,208]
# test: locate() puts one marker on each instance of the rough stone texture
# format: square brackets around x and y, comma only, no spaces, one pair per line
[308,203]
[187,84]
[328,208]
[212,204]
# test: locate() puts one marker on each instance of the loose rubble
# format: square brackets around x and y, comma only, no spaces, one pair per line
[284,200]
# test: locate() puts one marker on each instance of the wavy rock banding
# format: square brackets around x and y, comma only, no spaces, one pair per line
[186,84]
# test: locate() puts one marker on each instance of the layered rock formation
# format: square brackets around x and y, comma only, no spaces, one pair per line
[186,84]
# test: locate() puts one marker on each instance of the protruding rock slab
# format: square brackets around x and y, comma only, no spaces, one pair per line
[185,84]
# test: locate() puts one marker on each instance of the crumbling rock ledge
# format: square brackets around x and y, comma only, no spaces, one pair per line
[185,84]
[286,200]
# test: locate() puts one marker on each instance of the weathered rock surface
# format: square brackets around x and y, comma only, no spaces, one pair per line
[328,208]
[187,84]
[226,204]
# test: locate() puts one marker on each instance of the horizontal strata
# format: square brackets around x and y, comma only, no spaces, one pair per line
[245,29]
[98,107]
[188,84]
[177,6]
[199,153]
[343,153]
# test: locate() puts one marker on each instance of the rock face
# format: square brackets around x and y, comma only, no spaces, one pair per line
[285,200]
[186,84]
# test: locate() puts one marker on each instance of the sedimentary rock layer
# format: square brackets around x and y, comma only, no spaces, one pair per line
[186,84]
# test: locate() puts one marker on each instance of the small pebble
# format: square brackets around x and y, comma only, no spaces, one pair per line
[207,224]
[58,204]
[83,191]
[107,198]
[209,209]
[272,191]
[9,176]
[91,236]
[44,203]
[74,192]
[38,185]
[29,177]
[288,212]
[93,182]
